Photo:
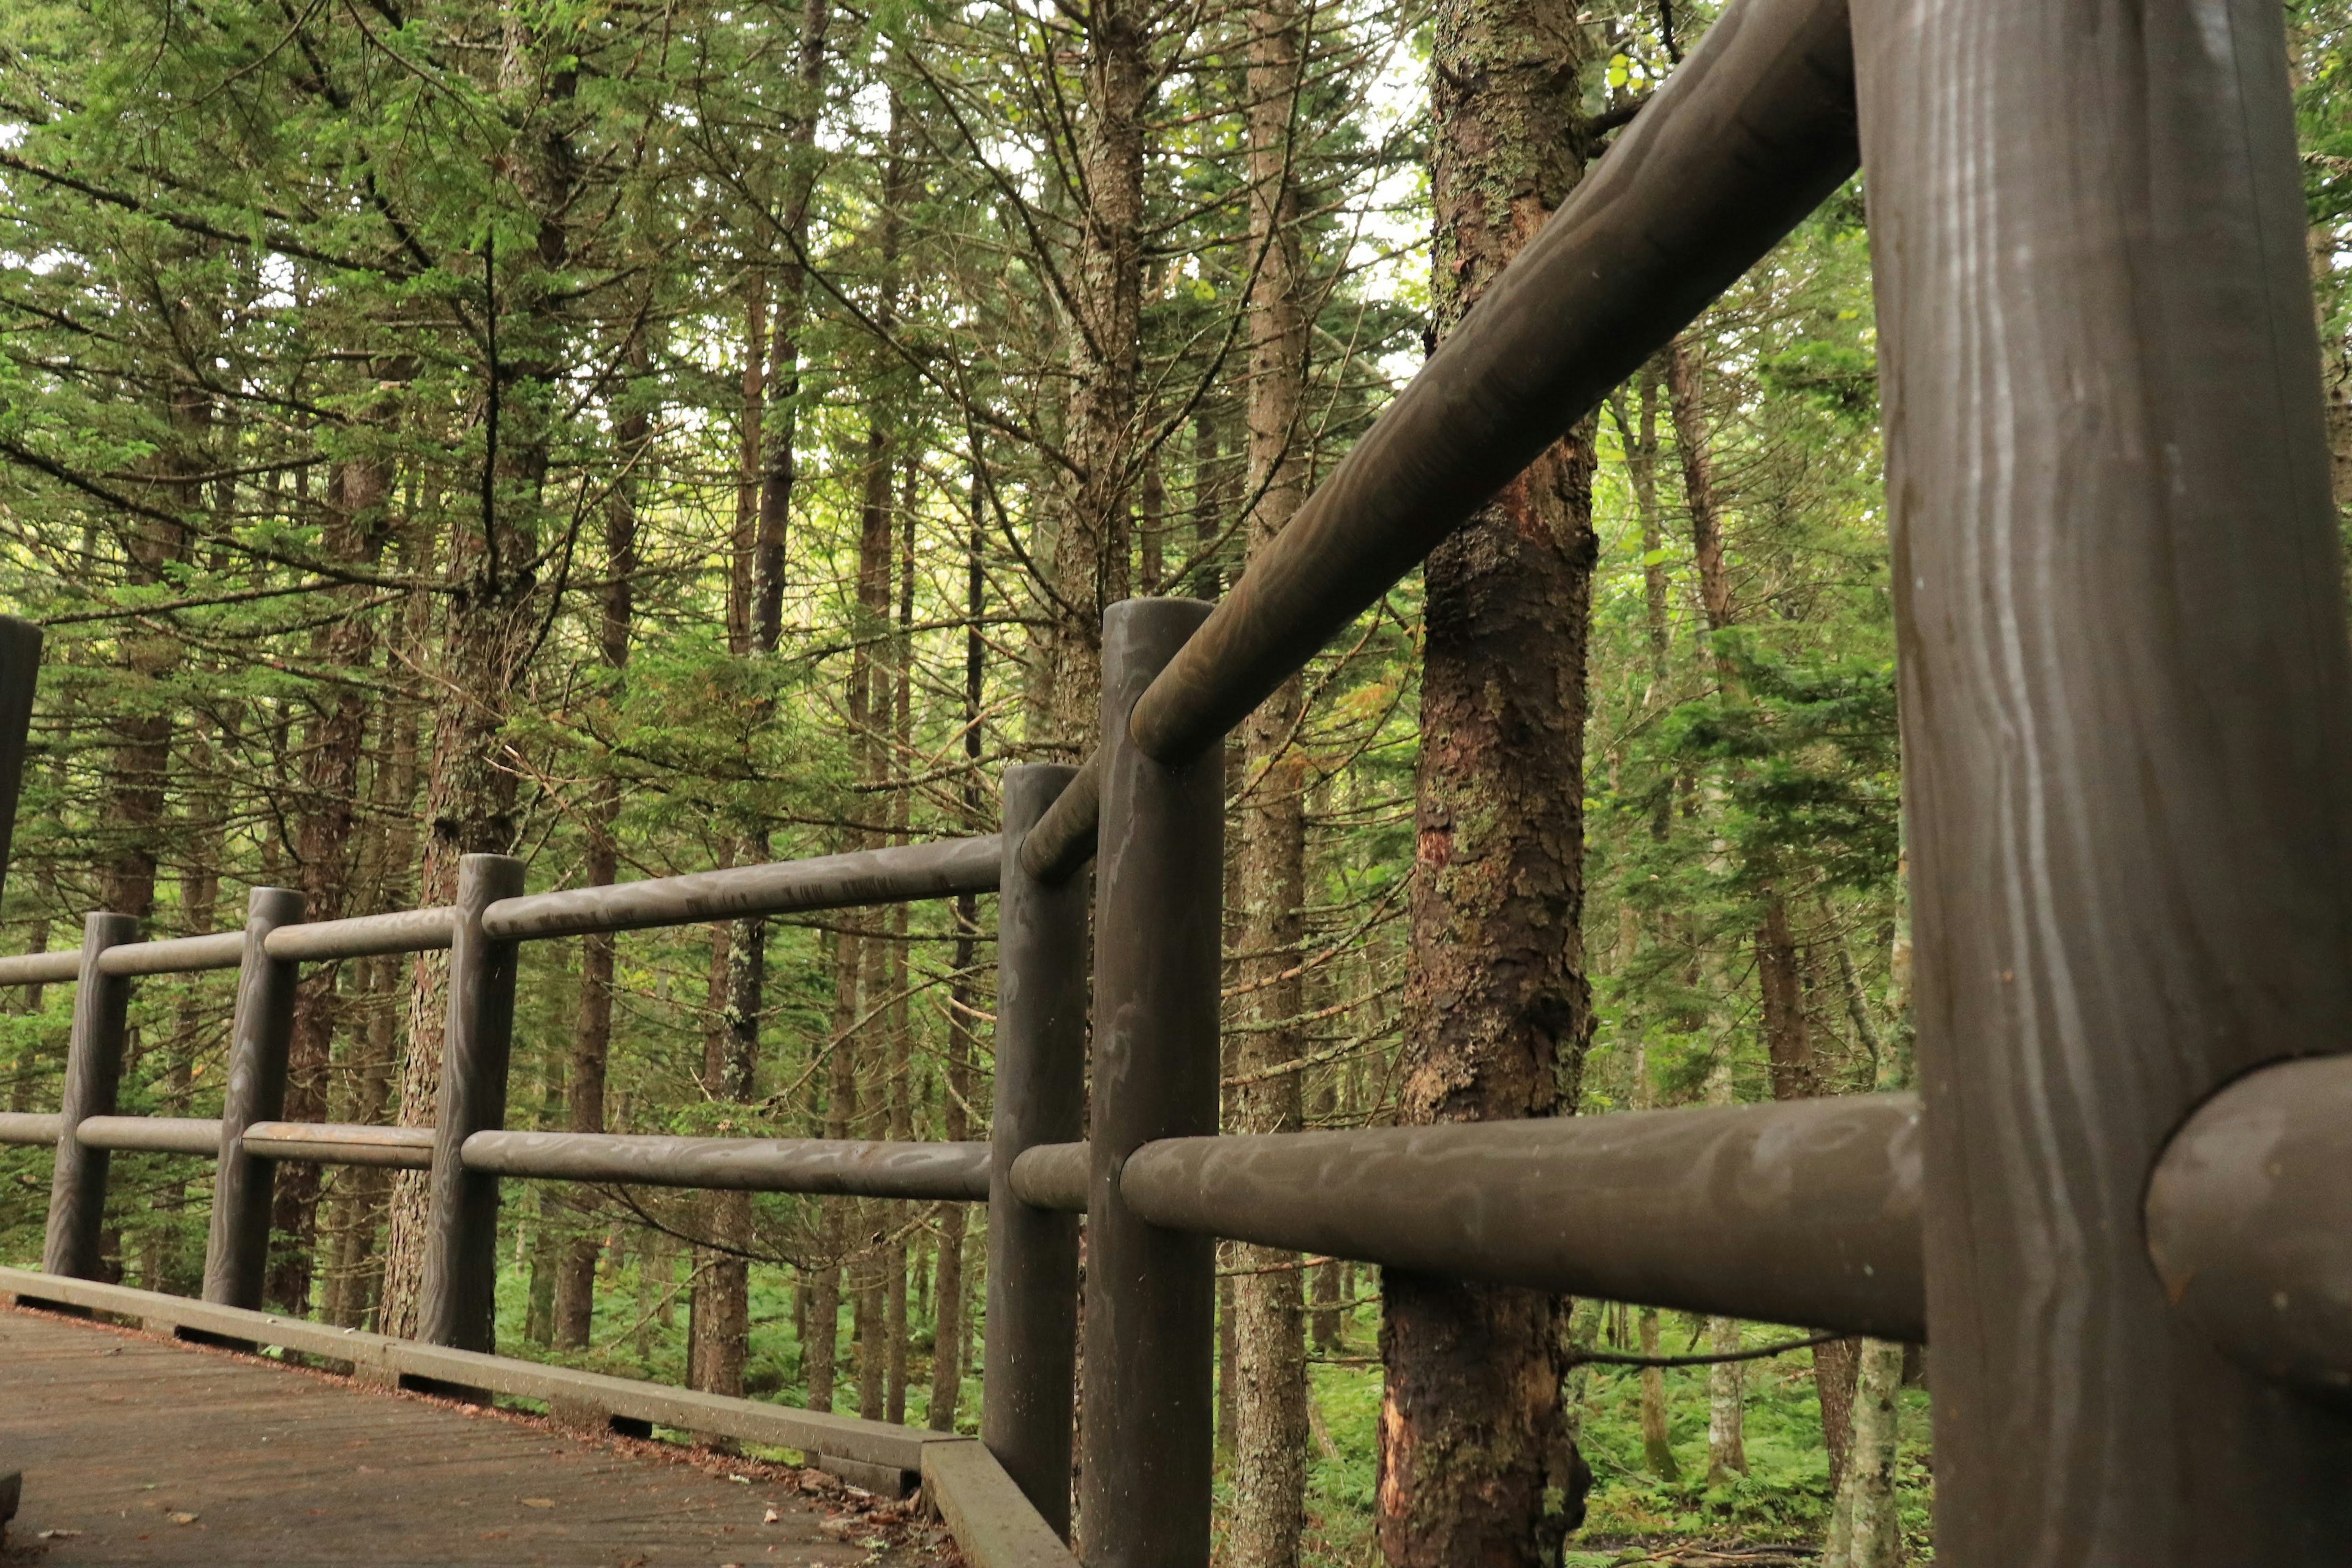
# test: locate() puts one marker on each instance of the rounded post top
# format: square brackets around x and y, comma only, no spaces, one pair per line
[268,906]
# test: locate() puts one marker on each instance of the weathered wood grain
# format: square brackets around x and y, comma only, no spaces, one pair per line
[360,936]
[343,1143]
[153,1134]
[2126,707]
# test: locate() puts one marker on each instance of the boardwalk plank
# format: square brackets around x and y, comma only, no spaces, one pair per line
[118,1433]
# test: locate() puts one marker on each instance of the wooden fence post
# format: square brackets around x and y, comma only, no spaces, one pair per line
[93,1073]
[457,1303]
[237,1253]
[20,675]
[2128,736]
[1032,1255]
[1149,1430]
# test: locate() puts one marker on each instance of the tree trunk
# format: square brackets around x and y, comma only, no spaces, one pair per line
[1726,1389]
[1657,1445]
[1270,1431]
[493,615]
[947,1324]
[358,524]
[1866,1530]
[1090,543]
[592,1040]
[1475,1461]
[1835,1367]
[820,1351]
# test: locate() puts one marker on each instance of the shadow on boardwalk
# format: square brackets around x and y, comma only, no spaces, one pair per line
[138,1450]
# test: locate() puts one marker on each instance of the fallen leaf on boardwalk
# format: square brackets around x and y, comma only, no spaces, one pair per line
[56,1534]
[181,1517]
[539,1502]
[771,1518]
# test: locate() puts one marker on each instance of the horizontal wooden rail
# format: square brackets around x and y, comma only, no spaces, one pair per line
[898,875]
[178,955]
[40,968]
[818,1165]
[343,1143]
[927,1172]
[1051,1176]
[361,936]
[152,1134]
[30,1127]
[1803,1213]
[2250,1222]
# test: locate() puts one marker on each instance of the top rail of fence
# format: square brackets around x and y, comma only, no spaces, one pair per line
[903,874]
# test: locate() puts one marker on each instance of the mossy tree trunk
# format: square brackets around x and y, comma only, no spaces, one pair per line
[1476,1465]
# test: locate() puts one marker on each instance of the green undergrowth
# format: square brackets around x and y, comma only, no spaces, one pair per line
[1631,1515]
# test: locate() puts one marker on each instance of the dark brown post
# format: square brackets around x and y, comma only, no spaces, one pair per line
[457,1304]
[93,1072]
[20,673]
[1149,1434]
[236,1256]
[1033,1256]
[2128,736]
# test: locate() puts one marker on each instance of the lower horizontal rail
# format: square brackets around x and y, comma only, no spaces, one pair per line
[995,1525]
[951,1173]
[818,1165]
[2250,1222]
[1800,1213]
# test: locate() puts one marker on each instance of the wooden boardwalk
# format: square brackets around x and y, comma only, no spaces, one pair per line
[136,1450]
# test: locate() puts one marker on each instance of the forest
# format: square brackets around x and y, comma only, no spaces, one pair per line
[649,435]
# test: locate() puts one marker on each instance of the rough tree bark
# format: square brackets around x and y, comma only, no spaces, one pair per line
[1089,566]
[494,608]
[592,1040]
[963,995]
[1476,1465]
[140,717]
[1865,1529]
[389,854]
[1269,1472]
[358,523]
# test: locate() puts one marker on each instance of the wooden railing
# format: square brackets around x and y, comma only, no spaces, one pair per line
[2119,1209]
